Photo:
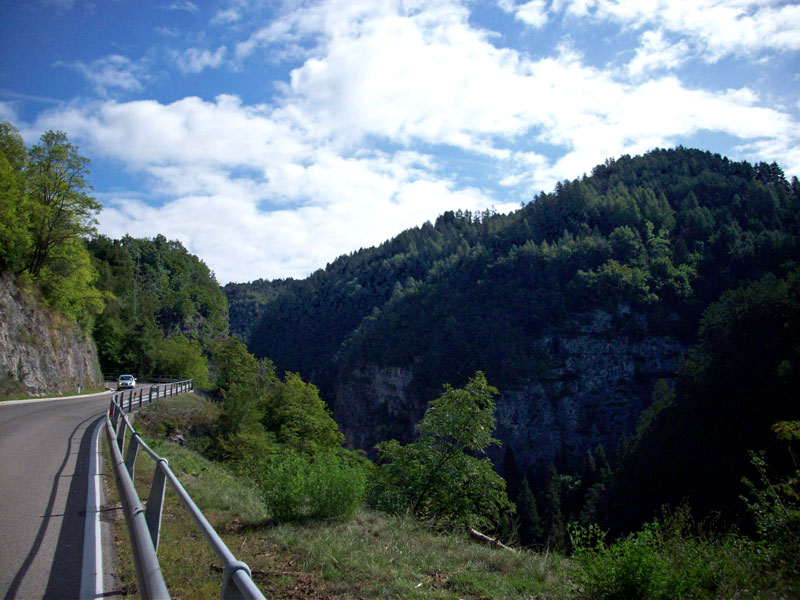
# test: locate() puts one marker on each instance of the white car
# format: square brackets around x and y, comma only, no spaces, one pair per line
[126,382]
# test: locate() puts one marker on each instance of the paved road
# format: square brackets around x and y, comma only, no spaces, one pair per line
[45,449]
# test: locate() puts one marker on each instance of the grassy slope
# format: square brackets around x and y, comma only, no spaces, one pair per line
[372,556]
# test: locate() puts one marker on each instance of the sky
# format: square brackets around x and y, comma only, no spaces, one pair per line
[271,136]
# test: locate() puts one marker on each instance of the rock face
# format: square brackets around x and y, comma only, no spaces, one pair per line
[373,405]
[40,352]
[600,376]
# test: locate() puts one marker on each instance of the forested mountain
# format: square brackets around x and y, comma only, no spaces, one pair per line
[578,307]
[164,309]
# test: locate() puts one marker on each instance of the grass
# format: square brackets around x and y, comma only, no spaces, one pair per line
[371,556]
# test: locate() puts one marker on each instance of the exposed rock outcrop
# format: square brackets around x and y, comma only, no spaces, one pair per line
[41,353]
[600,376]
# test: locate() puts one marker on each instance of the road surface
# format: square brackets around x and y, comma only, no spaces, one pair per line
[45,452]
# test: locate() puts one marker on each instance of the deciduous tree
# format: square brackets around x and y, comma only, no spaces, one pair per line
[61,207]
[441,476]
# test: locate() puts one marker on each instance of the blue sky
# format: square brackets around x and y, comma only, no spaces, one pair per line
[271,136]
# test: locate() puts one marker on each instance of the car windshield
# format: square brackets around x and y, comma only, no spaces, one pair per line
[126,377]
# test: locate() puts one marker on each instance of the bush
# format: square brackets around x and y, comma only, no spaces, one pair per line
[336,488]
[666,559]
[775,506]
[296,487]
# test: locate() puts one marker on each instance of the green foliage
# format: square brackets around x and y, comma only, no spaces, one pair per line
[297,487]
[298,417]
[439,477]
[740,378]
[666,559]
[775,506]
[280,435]
[234,365]
[15,230]
[666,235]
[181,358]
[530,525]
[255,401]
[47,216]
[160,296]
[67,280]
[61,208]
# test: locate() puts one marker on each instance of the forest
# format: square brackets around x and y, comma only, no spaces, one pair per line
[706,248]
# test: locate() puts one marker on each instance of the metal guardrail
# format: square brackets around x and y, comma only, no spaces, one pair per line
[144,524]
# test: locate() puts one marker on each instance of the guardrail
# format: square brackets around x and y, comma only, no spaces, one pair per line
[144,524]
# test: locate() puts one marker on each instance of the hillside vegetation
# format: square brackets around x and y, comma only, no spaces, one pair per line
[705,249]
[667,232]
[165,310]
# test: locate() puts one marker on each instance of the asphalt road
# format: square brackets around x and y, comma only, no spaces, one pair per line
[45,451]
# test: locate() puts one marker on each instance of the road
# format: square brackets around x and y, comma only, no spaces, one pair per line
[45,452]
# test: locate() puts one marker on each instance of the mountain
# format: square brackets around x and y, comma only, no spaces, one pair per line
[576,306]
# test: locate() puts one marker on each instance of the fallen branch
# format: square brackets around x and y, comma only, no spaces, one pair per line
[478,536]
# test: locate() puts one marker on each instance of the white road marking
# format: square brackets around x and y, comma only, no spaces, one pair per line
[92,571]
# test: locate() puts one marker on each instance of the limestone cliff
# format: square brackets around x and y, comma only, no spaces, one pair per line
[600,375]
[40,352]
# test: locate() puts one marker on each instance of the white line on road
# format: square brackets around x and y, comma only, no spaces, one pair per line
[92,571]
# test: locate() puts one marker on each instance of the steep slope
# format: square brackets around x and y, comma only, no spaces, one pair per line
[41,352]
[574,306]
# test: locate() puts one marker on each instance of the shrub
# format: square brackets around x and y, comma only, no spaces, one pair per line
[297,487]
[775,506]
[666,559]
[336,487]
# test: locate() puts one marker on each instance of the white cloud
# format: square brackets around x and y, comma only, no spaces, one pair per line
[344,157]
[277,201]
[225,16]
[532,13]
[718,27]
[194,60]
[8,112]
[111,73]
[655,53]
[183,5]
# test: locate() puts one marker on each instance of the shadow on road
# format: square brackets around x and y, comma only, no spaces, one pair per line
[65,574]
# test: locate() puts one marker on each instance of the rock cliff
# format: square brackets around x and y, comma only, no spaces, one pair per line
[599,378]
[40,352]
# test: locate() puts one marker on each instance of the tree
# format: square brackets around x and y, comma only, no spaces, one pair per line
[440,476]
[235,365]
[530,524]
[299,418]
[62,210]
[15,236]
[179,357]
[47,213]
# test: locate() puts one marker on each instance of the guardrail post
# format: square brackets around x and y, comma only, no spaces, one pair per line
[120,433]
[130,455]
[155,503]
[230,591]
